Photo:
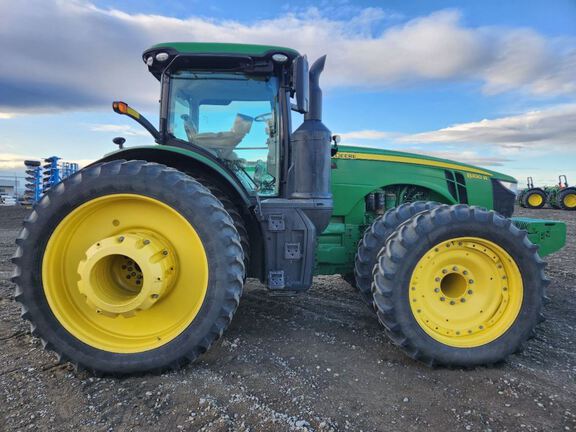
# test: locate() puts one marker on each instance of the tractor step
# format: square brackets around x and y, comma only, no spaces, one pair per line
[549,235]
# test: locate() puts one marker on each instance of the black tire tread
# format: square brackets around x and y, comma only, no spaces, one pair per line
[386,286]
[182,185]
[374,239]
[234,213]
[530,192]
[560,198]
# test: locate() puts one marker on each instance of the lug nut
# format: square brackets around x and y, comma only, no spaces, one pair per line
[465,272]
[146,242]
[121,239]
[462,300]
[154,296]
[437,279]
[471,281]
[164,252]
[436,290]
[455,268]
[452,302]
[470,292]
[442,298]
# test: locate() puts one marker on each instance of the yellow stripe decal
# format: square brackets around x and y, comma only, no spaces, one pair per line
[408,160]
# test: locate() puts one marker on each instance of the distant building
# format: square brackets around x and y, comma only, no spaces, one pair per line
[8,186]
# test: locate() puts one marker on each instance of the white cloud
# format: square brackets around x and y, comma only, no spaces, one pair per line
[543,129]
[67,55]
[15,161]
[119,129]
[6,116]
[367,134]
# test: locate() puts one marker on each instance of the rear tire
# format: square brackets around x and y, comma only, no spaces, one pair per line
[374,240]
[429,307]
[60,309]
[234,213]
[566,199]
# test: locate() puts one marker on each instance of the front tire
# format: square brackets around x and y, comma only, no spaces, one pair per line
[459,286]
[128,267]
[374,240]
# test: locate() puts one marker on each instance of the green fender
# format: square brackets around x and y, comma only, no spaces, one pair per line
[187,160]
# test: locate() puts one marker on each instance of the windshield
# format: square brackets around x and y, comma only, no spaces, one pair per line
[232,115]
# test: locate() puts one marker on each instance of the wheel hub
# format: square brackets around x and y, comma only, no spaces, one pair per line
[125,274]
[460,291]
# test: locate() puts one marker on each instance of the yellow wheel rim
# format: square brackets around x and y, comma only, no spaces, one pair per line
[570,200]
[535,200]
[466,292]
[125,273]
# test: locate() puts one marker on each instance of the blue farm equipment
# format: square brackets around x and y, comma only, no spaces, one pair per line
[40,178]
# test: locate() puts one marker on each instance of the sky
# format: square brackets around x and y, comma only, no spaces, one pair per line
[492,83]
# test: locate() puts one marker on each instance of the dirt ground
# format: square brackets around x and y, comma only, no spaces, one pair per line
[318,362]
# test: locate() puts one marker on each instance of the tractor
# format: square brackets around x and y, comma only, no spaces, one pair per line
[562,196]
[533,197]
[137,262]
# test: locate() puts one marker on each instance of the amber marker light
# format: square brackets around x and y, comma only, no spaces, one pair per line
[120,107]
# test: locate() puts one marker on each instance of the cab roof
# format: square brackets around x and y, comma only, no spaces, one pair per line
[224,48]
[197,52]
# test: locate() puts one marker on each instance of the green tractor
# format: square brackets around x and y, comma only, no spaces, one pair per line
[137,262]
[533,197]
[562,196]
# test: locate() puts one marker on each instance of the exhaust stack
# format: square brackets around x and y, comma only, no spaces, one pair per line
[315,109]
[310,171]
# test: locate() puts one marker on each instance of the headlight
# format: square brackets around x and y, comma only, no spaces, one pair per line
[511,186]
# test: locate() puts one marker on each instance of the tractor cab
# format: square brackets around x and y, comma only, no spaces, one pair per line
[233,106]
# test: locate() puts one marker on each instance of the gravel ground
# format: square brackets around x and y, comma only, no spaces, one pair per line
[318,361]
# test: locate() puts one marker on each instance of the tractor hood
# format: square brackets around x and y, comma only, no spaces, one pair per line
[366,153]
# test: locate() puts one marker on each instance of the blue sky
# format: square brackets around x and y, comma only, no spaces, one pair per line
[490,83]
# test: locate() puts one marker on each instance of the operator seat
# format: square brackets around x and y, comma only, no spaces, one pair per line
[220,143]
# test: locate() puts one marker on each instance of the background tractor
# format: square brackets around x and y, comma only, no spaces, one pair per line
[137,262]
[562,196]
[533,197]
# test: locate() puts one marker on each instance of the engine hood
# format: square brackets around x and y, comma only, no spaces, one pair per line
[368,153]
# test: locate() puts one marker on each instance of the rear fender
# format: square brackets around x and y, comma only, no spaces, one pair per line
[188,161]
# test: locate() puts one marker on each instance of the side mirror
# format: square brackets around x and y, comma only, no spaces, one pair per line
[119,141]
[301,84]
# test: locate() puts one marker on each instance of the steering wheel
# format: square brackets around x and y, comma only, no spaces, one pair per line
[263,117]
